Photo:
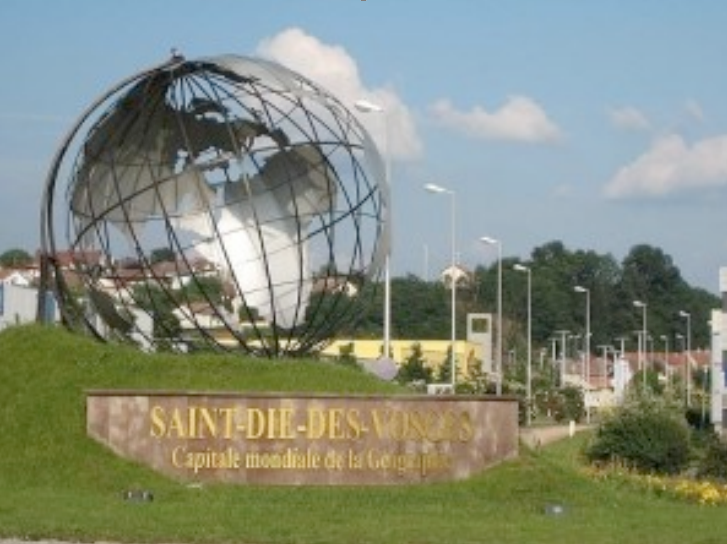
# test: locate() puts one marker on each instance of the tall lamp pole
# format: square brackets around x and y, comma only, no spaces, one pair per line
[437,189]
[587,344]
[563,355]
[365,106]
[667,368]
[688,365]
[498,362]
[642,351]
[529,392]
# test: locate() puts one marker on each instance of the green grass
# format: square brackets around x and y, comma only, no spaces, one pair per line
[55,482]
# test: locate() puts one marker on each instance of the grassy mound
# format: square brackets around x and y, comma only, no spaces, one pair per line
[55,482]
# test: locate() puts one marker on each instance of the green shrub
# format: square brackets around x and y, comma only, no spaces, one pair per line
[714,462]
[347,356]
[644,435]
[414,369]
[568,404]
[698,418]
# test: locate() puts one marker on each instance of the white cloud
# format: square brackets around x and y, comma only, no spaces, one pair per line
[629,118]
[520,119]
[670,166]
[331,67]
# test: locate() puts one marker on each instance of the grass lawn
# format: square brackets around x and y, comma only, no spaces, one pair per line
[56,483]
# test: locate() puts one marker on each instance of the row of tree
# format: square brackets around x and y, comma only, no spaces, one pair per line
[422,309]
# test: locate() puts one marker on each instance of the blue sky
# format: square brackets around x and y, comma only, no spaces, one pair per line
[599,124]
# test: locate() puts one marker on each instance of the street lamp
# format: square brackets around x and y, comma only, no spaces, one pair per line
[587,343]
[498,363]
[563,354]
[574,350]
[587,370]
[679,337]
[526,269]
[650,349]
[437,189]
[688,366]
[667,368]
[642,351]
[369,107]
[606,349]
[622,343]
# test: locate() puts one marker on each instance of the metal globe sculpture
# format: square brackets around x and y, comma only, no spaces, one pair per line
[226,202]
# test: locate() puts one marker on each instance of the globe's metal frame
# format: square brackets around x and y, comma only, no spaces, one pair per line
[240,160]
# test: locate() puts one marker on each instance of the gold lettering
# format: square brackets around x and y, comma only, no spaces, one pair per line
[316,424]
[176,426]
[229,420]
[353,418]
[335,418]
[333,460]
[398,425]
[290,458]
[431,425]
[271,423]
[207,459]
[255,423]
[400,463]
[179,450]
[286,423]
[379,422]
[279,423]
[158,426]
[447,425]
[418,429]
[207,422]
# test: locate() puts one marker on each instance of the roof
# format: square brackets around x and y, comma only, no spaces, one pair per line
[67,258]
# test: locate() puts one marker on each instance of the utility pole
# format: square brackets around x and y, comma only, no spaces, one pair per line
[563,349]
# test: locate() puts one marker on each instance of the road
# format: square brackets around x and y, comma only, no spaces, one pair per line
[535,437]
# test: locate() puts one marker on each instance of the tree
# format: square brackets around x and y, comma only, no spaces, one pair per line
[347,356]
[645,434]
[156,303]
[570,404]
[15,258]
[421,309]
[162,254]
[414,368]
[203,288]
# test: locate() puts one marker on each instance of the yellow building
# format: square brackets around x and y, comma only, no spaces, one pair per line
[434,352]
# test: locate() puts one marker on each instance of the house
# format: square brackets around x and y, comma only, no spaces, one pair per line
[15,277]
[462,276]
[335,284]
[202,314]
